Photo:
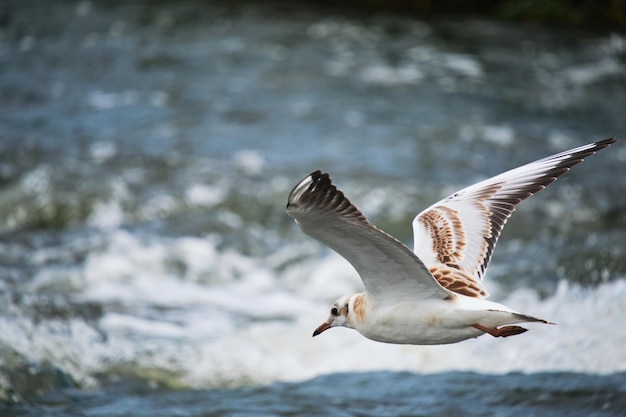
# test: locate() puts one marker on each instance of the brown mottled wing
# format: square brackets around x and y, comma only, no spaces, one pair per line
[458,234]
[390,271]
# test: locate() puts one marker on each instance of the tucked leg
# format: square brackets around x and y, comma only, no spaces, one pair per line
[505,331]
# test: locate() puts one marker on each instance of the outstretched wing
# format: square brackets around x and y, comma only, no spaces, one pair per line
[390,271]
[456,236]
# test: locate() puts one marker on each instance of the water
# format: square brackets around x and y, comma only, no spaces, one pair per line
[363,394]
[147,265]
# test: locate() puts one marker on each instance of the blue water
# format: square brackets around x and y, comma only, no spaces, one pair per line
[377,394]
[147,265]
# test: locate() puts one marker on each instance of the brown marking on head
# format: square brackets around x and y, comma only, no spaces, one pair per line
[359,306]
[458,281]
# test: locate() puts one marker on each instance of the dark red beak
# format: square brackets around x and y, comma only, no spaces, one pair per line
[325,326]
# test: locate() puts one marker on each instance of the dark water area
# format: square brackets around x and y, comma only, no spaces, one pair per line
[147,266]
[376,394]
[188,78]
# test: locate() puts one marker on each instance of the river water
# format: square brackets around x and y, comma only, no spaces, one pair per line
[147,265]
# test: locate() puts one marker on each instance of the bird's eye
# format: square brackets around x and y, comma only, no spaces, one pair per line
[334,311]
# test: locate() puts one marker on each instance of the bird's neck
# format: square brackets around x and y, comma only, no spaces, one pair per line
[357,307]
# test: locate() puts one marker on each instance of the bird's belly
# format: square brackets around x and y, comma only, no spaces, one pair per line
[418,328]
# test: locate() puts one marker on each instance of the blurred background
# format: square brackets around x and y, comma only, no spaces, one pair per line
[147,150]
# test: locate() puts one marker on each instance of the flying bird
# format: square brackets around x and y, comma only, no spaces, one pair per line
[434,294]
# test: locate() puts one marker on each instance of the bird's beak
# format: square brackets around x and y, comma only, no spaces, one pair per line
[325,326]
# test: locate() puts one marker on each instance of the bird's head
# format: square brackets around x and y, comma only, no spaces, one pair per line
[339,315]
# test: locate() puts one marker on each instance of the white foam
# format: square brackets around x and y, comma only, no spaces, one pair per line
[597,70]
[230,319]
[589,337]
[277,345]
[103,151]
[202,194]
[250,161]
[106,215]
[383,74]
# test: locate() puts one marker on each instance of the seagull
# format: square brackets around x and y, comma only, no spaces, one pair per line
[435,293]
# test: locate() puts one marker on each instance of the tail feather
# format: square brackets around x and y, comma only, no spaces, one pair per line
[523,318]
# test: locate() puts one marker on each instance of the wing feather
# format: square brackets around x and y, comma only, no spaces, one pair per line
[389,270]
[461,231]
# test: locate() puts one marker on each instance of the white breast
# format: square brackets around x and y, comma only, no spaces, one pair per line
[433,322]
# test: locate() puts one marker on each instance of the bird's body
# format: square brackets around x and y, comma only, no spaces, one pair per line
[430,322]
[433,294]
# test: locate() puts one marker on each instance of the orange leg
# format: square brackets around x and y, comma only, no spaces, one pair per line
[505,331]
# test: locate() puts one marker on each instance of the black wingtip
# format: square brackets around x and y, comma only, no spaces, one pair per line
[316,190]
[314,182]
[604,143]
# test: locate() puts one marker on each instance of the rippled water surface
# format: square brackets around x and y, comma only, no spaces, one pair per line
[146,262]
[365,394]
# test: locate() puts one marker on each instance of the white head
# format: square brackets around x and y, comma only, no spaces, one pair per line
[340,315]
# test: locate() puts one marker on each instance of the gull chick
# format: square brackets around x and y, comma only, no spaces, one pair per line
[435,293]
